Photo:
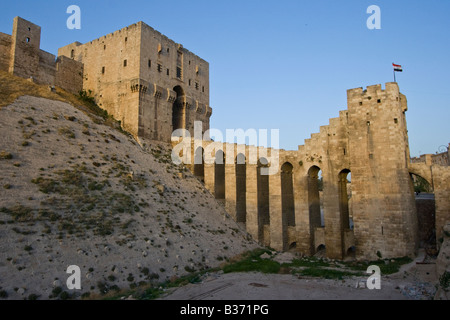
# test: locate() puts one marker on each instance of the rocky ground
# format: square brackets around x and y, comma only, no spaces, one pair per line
[414,281]
[74,191]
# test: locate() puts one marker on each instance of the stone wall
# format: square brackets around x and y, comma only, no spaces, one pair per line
[443,265]
[441,182]
[20,55]
[283,211]
[5,51]
[47,68]
[69,74]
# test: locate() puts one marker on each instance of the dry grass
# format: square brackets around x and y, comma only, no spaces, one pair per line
[12,87]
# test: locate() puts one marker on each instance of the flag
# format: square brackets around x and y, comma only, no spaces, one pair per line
[397,67]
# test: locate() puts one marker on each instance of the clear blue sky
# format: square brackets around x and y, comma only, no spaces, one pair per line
[285,64]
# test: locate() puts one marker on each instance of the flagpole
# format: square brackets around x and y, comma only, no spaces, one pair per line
[394,72]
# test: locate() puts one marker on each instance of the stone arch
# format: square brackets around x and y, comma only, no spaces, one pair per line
[351,252]
[426,211]
[199,163]
[344,208]
[422,170]
[179,109]
[241,188]
[263,203]
[287,201]
[219,175]
[314,197]
[321,249]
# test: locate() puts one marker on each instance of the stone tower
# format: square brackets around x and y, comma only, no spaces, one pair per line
[147,81]
[25,44]
[383,199]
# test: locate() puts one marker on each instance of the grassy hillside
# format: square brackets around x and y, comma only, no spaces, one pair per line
[75,190]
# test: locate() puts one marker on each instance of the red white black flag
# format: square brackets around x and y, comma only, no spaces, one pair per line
[397,67]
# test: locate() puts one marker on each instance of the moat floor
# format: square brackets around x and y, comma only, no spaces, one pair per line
[413,282]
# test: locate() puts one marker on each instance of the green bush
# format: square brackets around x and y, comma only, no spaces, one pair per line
[252,262]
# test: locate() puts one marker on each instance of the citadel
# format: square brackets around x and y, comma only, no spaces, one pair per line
[155,86]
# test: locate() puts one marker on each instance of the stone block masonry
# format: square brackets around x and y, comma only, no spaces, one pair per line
[147,81]
[20,55]
[347,190]
[367,207]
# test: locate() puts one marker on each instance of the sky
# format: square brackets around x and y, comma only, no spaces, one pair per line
[284,64]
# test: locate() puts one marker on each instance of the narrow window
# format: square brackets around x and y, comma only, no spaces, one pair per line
[168,72]
[28,40]
[103,70]
[190,82]
[149,63]
[125,62]
[379,101]
[197,85]
[179,73]
[395,120]
[159,68]
[29,29]
[104,47]
[126,39]
[203,89]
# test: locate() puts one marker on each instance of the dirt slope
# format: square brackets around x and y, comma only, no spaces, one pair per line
[74,191]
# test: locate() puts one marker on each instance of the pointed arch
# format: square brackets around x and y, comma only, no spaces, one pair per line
[219,175]
[179,109]
[199,163]
[241,188]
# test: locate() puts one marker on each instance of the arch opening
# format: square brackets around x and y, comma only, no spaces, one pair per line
[241,189]
[351,252]
[426,213]
[315,187]
[199,163]
[345,195]
[321,251]
[179,109]
[219,175]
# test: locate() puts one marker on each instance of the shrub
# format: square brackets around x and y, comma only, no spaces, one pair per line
[66,132]
[5,155]
[86,96]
